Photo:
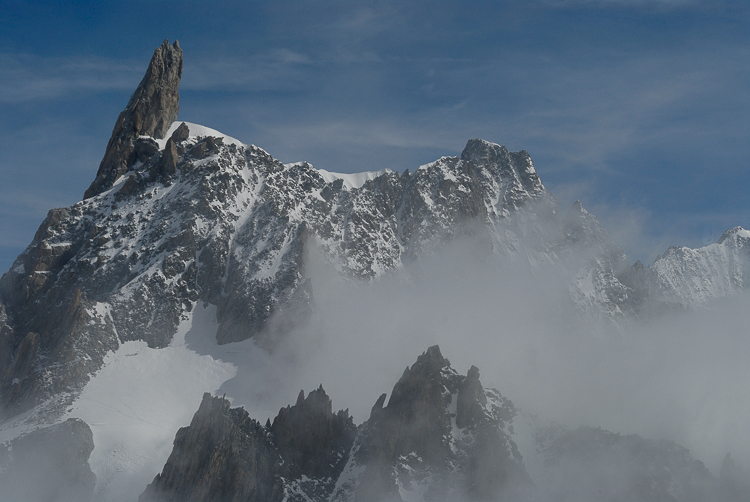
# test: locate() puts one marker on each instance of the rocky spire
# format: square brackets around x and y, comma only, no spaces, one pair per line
[151,110]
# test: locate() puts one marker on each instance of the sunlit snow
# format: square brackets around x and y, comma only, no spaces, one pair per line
[137,401]
[352,180]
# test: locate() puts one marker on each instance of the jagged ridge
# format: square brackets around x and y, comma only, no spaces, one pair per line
[441,437]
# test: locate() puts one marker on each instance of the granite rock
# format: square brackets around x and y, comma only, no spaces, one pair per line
[151,110]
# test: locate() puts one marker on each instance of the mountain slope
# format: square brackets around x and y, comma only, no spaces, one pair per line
[697,276]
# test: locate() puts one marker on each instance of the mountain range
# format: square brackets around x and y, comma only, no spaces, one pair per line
[181,218]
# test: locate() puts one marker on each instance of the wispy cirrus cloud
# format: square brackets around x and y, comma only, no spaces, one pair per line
[275,69]
[28,77]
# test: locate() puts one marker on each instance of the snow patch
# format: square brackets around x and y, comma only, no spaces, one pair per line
[137,401]
[352,180]
[197,130]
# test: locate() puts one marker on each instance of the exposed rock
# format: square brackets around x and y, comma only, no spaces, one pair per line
[15,378]
[416,418]
[313,441]
[145,148]
[521,179]
[49,464]
[409,445]
[416,448]
[688,276]
[169,160]
[495,469]
[181,133]
[208,146]
[223,455]
[471,400]
[582,229]
[226,456]
[413,425]
[6,341]
[151,110]
[52,323]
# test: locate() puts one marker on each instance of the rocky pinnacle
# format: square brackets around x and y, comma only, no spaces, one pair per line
[151,110]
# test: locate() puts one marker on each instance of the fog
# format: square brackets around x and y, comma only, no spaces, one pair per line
[682,377]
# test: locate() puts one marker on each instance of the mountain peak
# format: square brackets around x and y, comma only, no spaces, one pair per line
[734,233]
[515,168]
[577,208]
[482,149]
[150,112]
[582,227]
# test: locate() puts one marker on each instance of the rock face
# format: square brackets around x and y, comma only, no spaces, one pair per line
[441,437]
[208,219]
[412,445]
[415,444]
[224,455]
[313,441]
[599,285]
[151,110]
[49,464]
[688,276]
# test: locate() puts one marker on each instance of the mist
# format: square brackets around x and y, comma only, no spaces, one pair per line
[680,377]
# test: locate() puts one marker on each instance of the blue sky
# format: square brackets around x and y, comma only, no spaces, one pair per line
[640,109]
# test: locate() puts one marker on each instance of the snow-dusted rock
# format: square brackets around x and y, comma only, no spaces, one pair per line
[150,112]
[693,277]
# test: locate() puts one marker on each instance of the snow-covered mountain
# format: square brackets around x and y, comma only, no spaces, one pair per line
[181,220]
[697,276]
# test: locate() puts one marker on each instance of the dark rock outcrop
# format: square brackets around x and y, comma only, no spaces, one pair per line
[6,342]
[169,160]
[206,147]
[424,446]
[521,179]
[312,440]
[15,377]
[416,418]
[411,444]
[145,148]
[471,400]
[49,464]
[181,133]
[224,455]
[151,110]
